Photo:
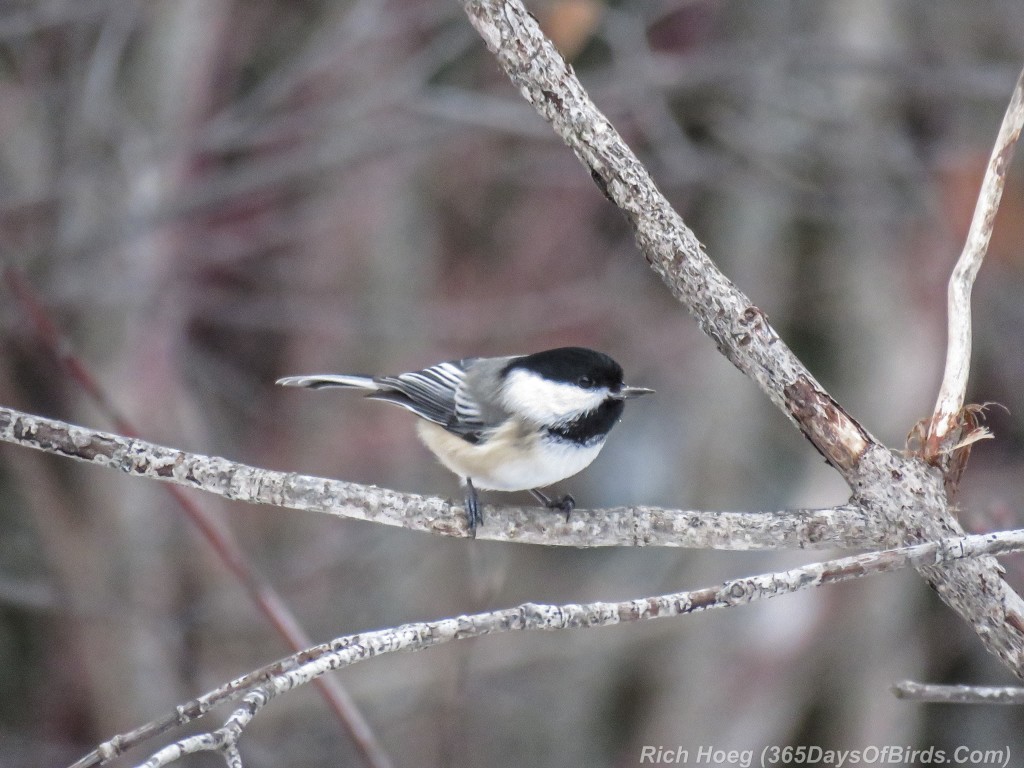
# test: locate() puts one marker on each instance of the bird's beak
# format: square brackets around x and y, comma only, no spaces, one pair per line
[628,392]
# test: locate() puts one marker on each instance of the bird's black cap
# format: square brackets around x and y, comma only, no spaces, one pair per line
[574,365]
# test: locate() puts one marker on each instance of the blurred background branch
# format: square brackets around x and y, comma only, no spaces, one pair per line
[262,594]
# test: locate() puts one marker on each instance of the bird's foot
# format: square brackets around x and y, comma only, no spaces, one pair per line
[473,513]
[564,504]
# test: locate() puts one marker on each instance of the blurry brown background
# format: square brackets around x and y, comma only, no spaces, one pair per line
[210,194]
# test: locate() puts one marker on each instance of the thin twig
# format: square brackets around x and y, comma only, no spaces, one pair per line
[842,526]
[959,694]
[953,390]
[261,686]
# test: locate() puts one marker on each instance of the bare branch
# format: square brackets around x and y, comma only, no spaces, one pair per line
[260,686]
[842,526]
[202,742]
[959,694]
[902,493]
[739,329]
[953,391]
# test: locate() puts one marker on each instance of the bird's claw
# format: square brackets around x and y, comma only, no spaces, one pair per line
[564,504]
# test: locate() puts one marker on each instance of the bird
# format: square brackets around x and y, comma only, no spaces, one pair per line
[512,423]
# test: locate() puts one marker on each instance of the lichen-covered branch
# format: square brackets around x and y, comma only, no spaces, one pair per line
[843,526]
[259,687]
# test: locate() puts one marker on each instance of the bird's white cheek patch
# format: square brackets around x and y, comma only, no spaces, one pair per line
[545,401]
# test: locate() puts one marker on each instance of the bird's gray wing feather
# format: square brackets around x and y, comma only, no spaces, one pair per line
[447,393]
[437,394]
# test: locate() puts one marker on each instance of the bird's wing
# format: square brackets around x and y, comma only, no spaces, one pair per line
[438,394]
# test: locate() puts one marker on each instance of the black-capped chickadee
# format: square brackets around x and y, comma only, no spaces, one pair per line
[515,423]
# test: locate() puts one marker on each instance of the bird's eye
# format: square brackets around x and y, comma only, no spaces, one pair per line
[585,381]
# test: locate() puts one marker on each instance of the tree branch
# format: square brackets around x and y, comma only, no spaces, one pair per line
[958,694]
[897,499]
[259,687]
[900,492]
[842,526]
[947,418]
[739,328]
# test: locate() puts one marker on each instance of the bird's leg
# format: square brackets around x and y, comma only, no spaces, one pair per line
[566,504]
[473,508]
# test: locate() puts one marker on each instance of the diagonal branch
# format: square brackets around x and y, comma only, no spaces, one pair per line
[738,327]
[947,418]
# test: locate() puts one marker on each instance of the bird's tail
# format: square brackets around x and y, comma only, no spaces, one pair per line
[321,380]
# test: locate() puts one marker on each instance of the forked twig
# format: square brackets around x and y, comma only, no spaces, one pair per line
[258,688]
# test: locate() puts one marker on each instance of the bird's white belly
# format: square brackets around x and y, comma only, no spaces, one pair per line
[510,460]
[547,463]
